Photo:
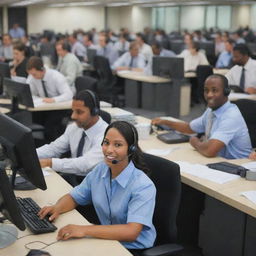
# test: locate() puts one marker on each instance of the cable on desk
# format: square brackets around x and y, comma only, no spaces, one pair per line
[45,244]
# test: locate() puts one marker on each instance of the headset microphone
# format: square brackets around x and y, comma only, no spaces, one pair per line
[117,161]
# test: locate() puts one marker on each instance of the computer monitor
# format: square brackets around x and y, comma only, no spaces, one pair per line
[91,53]
[10,210]
[168,67]
[19,93]
[4,72]
[19,150]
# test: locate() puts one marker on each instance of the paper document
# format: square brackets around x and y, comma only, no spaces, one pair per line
[250,165]
[251,195]
[205,172]
[46,171]
[38,102]
[161,152]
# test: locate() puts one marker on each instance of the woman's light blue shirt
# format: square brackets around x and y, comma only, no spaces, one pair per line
[129,198]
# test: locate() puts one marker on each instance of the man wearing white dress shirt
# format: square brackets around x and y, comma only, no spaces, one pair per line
[47,84]
[243,74]
[82,138]
[77,47]
[131,60]
[145,49]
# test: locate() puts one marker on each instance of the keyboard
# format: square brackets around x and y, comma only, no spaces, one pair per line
[29,210]
[173,137]
[229,168]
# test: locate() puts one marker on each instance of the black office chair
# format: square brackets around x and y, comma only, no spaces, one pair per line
[166,177]
[202,72]
[105,116]
[85,82]
[248,111]
[107,88]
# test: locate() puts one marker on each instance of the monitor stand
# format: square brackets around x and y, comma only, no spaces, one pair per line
[8,235]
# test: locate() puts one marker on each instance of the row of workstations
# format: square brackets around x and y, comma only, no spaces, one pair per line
[222,220]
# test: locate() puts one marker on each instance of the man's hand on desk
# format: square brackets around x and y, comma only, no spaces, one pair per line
[252,156]
[53,211]
[250,90]
[158,121]
[71,231]
[46,162]
[48,100]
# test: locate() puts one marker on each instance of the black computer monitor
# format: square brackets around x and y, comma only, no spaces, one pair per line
[19,149]
[4,72]
[168,67]
[10,210]
[19,93]
[91,53]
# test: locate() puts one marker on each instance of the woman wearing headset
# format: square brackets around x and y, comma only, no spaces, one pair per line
[122,194]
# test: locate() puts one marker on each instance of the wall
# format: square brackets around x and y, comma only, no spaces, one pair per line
[64,19]
[240,16]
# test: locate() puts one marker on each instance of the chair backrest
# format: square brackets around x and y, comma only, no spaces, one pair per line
[248,111]
[166,177]
[202,72]
[103,69]
[105,116]
[85,82]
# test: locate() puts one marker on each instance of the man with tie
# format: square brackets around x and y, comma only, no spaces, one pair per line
[82,138]
[243,74]
[132,60]
[47,84]
[226,133]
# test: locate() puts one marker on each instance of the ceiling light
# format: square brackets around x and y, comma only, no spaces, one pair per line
[118,4]
[26,2]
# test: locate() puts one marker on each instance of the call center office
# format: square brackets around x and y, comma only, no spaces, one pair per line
[135,16]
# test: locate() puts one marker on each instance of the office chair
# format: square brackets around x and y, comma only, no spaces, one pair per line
[248,110]
[202,72]
[166,177]
[177,46]
[105,116]
[85,82]
[209,48]
[108,88]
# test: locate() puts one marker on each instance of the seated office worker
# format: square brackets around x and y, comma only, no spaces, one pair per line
[121,192]
[82,138]
[132,60]
[47,84]
[243,74]
[226,133]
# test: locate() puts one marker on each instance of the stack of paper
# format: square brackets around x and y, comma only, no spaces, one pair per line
[118,114]
[205,172]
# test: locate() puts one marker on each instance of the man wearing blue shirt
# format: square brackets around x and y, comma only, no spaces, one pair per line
[226,133]
[225,58]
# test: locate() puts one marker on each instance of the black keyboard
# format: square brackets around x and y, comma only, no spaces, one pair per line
[173,137]
[29,210]
[229,168]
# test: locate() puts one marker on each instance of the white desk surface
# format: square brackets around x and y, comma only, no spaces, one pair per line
[140,76]
[54,106]
[219,71]
[77,247]
[4,110]
[237,96]
[228,192]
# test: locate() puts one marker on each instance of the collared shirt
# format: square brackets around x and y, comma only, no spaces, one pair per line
[234,74]
[6,52]
[229,127]
[78,49]
[92,153]
[192,61]
[167,53]
[224,60]
[125,60]
[124,47]
[55,83]
[17,32]
[130,197]
[109,52]
[70,67]
[147,52]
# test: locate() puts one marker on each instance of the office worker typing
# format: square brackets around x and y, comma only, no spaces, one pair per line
[82,138]
[47,84]
[121,192]
[243,74]
[226,133]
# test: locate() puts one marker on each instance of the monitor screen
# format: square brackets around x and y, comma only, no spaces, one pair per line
[168,67]
[4,72]
[19,149]
[91,53]
[19,93]
[10,210]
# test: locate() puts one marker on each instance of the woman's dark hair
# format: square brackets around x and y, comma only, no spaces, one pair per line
[20,47]
[37,253]
[129,132]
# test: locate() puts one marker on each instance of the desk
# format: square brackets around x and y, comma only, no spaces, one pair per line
[4,110]
[220,71]
[156,93]
[78,247]
[238,96]
[227,217]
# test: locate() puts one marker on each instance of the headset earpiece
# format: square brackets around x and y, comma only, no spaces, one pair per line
[133,147]
[227,91]
[96,110]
